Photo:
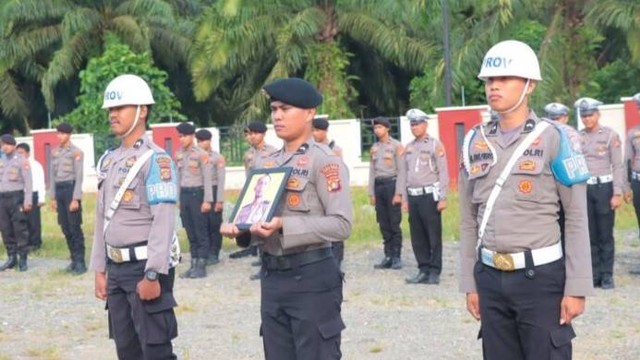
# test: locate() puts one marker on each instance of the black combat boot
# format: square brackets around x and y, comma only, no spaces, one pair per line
[80,267]
[200,269]
[187,274]
[396,263]
[22,262]
[11,262]
[384,264]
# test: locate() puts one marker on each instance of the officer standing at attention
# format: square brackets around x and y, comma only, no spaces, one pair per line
[517,279]
[134,229]
[214,218]
[603,151]
[320,130]
[632,163]
[34,220]
[385,192]
[65,181]
[16,187]
[424,182]
[301,283]
[194,169]
[254,134]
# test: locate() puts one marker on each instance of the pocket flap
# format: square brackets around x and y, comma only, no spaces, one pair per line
[331,328]
[562,336]
[164,302]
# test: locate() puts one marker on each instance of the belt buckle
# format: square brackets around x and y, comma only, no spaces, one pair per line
[503,262]
[115,255]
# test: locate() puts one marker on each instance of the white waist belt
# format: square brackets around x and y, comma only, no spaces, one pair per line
[421,190]
[121,255]
[600,179]
[635,175]
[516,261]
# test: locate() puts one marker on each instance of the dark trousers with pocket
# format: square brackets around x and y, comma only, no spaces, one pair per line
[635,187]
[601,221]
[194,221]
[70,222]
[34,223]
[388,216]
[520,314]
[214,220]
[425,223]
[142,330]
[301,312]
[13,223]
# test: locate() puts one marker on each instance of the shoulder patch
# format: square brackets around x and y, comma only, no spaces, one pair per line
[331,173]
[161,184]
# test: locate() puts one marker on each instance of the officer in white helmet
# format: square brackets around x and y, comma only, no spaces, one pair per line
[423,180]
[134,238]
[557,112]
[518,279]
[632,163]
[603,150]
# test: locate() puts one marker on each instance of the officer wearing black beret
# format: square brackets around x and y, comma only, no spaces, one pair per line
[381,121]
[65,128]
[256,127]
[301,282]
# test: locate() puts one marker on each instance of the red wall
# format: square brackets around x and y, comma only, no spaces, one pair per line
[453,124]
[43,142]
[631,115]
[166,136]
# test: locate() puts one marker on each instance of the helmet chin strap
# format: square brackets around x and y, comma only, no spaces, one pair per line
[517,105]
[135,123]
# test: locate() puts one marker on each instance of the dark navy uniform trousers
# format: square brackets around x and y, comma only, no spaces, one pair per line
[70,222]
[194,221]
[601,221]
[34,223]
[13,223]
[635,187]
[521,315]
[300,311]
[142,330]
[214,220]
[425,223]
[388,216]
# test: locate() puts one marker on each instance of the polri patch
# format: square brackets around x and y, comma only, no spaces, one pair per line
[525,186]
[331,173]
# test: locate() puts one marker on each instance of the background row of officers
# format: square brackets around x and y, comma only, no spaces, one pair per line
[412,177]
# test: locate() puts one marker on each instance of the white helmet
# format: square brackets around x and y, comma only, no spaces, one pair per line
[127,90]
[417,115]
[510,58]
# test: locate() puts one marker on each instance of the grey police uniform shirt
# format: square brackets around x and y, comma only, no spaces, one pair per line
[525,214]
[603,152]
[386,161]
[194,170]
[632,153]
[315,206]
[66,165]
[253,154]
[146,211]
[15,175]
[424,163]
[218,173]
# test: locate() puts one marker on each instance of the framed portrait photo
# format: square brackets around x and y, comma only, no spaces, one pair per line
[260,196]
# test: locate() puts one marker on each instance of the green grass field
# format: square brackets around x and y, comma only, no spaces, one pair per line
[365,229]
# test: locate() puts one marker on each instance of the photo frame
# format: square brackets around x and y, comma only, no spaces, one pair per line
[260,196]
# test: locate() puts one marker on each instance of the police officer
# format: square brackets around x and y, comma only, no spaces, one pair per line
[301,283]
[214,218]
[134,229]
[320,130]
[602,149]
[513,269]
[385,192]
[34,219]
[632,163]
[424,182]
[194,169]
[16,187]
[65,181]
[557,112]
[254,134]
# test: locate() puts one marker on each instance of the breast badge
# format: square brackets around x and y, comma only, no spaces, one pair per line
[525,186]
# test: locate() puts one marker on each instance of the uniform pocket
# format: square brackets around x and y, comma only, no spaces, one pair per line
[295,194]
[561,342]
[331,328]
[160,320]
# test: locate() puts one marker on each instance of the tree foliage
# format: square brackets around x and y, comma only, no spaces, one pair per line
[119,59]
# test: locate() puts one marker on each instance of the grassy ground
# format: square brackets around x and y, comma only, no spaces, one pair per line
[365,230]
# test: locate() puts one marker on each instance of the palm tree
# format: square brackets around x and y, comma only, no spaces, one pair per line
[66,33]
[259,41]
[623,15]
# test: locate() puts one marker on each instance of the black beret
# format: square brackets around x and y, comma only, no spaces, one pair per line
[185,128]
[320,123]
[8,139]
[203,134]
[256,127]
[295,92]
[64,128]
[381,121]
